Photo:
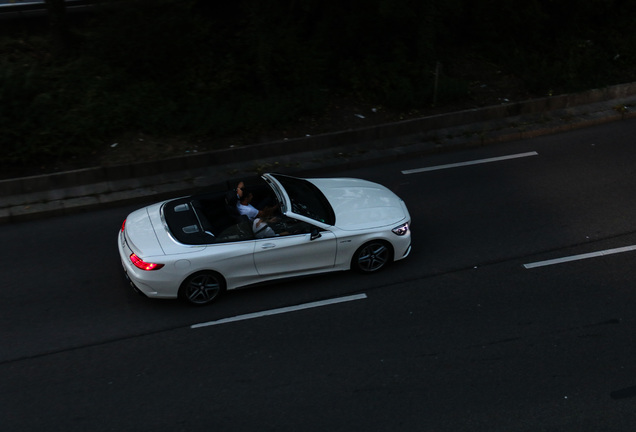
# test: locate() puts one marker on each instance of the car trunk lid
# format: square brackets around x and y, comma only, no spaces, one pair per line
[140,234]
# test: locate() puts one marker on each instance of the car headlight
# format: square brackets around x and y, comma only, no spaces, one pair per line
[401,230]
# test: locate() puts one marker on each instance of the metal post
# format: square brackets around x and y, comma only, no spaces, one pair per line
[438,67]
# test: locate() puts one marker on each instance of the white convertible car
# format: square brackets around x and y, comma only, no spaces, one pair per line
[196,247]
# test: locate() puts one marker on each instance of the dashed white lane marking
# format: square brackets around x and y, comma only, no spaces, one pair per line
[474,162]
[580,257]
[281,310]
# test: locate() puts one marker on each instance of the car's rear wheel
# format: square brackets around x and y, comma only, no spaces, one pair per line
[202,288]
[372,257]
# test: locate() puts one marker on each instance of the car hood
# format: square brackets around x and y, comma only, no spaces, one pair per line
[360,204]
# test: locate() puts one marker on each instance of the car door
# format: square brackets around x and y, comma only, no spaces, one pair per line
[295,253]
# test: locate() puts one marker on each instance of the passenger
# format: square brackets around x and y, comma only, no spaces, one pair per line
[262,229]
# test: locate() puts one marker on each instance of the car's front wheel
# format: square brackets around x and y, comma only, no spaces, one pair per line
[202,288]
[372,257]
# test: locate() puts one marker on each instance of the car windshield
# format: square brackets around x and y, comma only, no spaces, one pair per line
[306,199]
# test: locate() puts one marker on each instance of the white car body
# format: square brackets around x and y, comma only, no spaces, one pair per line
[362,212]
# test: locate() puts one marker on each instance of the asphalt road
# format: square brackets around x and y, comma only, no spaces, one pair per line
[464,335]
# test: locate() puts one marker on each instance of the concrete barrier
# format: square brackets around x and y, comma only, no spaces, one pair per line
[389,134]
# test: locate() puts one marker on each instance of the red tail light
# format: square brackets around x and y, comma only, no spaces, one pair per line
[141,264]
[123,225]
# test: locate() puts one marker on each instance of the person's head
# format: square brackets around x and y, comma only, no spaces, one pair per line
[246,197]
[266,213]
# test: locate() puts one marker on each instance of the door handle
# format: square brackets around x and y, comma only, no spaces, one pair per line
[268,246]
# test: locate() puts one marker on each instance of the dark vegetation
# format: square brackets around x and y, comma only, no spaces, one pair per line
[159,76]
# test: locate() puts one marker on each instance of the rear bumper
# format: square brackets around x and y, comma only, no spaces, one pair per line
[141,281]
[132,284]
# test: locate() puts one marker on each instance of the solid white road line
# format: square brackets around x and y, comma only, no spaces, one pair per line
[580,257]
[475,162]
[281,310]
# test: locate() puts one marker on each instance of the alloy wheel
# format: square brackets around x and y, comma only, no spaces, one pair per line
[203,288]
[372,257]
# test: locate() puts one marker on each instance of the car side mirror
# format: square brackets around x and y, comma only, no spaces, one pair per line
[315,234]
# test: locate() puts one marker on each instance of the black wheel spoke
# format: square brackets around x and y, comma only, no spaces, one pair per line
[203,288]
[373,257]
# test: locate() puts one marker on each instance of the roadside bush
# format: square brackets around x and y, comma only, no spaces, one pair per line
[196,68]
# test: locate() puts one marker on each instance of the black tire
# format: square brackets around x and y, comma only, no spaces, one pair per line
[202,288]
[372,257]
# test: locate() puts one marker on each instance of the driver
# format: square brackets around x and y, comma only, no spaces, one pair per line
[245,207]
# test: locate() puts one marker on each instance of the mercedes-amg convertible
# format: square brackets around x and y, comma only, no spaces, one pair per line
[197,247]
